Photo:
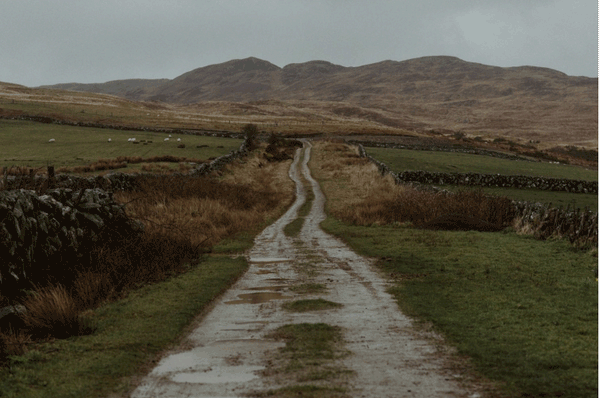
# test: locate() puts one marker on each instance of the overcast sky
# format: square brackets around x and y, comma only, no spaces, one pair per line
[91,41]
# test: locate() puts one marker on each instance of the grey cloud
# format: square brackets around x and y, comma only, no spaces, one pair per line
[88,41]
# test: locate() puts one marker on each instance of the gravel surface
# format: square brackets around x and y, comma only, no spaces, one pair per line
[229,353]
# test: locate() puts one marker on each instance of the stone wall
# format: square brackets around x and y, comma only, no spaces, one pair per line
[579,226]
[487,180]
[440,148]
[37,231]
[114,181]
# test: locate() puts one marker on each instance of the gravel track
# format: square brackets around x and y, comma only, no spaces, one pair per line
[228,354]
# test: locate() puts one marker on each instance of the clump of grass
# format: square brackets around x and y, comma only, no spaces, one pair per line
[53,311]
[309,357]
[13,343]
[310,305]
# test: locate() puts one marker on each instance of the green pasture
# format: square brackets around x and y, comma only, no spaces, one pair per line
[556,199]
[449,162]
[525,311]
[26,144]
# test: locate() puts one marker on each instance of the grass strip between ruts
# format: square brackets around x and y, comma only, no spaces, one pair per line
[131,332]
[293,228]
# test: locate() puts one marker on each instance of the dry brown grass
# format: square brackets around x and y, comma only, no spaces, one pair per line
[208,209]
[13,343]
[365,198]
[53,311]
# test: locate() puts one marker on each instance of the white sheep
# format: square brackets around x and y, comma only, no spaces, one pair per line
[128,139]
[167,139]
[110,140]
[51,140]
[178,139]
[169,135]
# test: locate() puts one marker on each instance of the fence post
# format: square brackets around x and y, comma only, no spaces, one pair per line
[50,177]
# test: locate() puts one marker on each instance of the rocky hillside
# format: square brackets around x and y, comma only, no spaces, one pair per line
[429,93]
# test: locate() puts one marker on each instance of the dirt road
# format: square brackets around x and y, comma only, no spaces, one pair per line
[230,354]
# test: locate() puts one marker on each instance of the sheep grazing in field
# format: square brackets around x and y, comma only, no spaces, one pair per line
[51,140]
[178,139]
[167,139]
[169,135]
[110,140]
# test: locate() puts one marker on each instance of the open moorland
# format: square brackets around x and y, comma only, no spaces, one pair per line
[514,315]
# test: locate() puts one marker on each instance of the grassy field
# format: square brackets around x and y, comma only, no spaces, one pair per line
[448,162]
[26,144]
[524,311]
[556,199]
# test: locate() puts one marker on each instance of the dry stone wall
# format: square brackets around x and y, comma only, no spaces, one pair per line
[579,226]
[38,231]
[115,181]
[40,228]
[487,180]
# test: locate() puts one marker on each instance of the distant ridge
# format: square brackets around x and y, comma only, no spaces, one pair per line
[428,92]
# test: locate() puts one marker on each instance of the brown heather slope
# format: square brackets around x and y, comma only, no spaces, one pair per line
[430,93]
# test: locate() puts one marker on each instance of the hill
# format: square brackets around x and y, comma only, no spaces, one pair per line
[430,93]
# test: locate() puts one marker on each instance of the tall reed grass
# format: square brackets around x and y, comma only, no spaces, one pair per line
[379,200]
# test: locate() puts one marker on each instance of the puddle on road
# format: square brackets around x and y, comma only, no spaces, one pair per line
[268,260]
[281,280]
[258,298]
[237,374]
[264,271]
[271,288]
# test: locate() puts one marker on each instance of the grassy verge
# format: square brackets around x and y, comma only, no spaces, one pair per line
[525,311]
[130,333]
[308,360]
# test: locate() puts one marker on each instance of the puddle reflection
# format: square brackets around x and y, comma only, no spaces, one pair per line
[257,298]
